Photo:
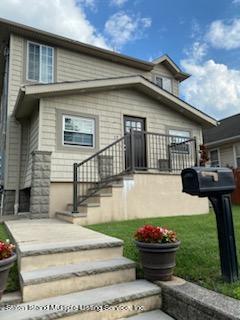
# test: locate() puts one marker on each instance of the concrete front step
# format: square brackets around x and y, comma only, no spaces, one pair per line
[150,315]
[41,256]
[125,300]
[69,216]
[62,280]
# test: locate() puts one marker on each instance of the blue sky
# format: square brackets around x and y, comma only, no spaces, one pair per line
[202,37]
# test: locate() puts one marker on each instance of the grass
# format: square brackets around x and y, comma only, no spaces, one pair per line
[198,257]
[13,282]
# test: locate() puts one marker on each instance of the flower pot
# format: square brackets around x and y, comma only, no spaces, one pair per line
[158,259]
[5,266]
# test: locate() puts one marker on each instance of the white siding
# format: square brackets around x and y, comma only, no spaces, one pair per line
[110,106]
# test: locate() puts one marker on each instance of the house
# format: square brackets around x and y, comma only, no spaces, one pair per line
[118,118]
[223,142]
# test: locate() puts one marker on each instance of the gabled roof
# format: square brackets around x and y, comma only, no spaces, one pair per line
[28,95]
[172,67]
[7,27]
[228,130]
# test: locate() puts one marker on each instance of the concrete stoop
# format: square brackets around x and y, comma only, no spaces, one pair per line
[49,282]
[92,205]
[84,277]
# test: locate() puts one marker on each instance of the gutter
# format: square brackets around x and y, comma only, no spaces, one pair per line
[222,141]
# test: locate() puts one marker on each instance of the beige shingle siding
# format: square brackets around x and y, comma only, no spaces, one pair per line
[161,70]
[30,131]
[110,106]
[13,129]
[227,155]
[24,152]
[76,66]
[70,66]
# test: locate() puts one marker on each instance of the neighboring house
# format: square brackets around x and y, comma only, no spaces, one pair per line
[62,101]
[223,142]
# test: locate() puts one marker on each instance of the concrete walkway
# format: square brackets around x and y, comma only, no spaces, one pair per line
[69,265]
[50,231]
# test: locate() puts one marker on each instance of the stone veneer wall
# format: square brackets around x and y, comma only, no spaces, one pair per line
[40,186]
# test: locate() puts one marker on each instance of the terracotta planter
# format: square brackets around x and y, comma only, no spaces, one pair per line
[5,266]
[158,260]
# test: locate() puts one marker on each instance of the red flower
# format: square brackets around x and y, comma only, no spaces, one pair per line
[152,234]
[6,250]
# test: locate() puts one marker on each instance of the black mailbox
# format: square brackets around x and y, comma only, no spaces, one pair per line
[203,181]
[217,184]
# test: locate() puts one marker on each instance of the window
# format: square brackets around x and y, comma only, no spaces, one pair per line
[178,141]
[78,131]
[164,83]
[237,152]
[40,63]
[214,158]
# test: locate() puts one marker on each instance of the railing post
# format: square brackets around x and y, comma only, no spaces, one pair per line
[132,150]
[75,186]
[196,152]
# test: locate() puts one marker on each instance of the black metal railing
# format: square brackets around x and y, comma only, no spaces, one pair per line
[137,150]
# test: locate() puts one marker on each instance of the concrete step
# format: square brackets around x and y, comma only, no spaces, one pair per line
[70,217]
[45,255]
[150,315]
[92,199]
[50,282]
[105,191]
[125,297]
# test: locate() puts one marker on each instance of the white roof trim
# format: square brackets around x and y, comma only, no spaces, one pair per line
[67,88]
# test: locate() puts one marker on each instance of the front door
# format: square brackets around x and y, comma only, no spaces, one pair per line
[139,143]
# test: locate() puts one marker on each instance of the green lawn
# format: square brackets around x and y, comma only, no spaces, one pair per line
[13,283]
[197,259]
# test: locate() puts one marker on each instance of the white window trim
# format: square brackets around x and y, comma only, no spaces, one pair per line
[78,145]
[40,62]
[180,129]
[218,152]
[183,130]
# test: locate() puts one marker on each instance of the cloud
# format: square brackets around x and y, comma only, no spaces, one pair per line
[213,87]
[196,52]
[90,4]
[64,17]
[224,35]
[236,2]
[118,3]
[122,28]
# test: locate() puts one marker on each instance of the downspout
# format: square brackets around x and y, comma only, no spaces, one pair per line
[5,115]
[5,102]
[16,204]
[4,124]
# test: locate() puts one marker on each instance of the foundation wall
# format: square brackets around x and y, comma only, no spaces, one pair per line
[147,195]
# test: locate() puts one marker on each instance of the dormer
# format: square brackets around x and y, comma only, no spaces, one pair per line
[167,75]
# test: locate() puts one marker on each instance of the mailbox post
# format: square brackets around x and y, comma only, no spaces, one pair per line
[217,184]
